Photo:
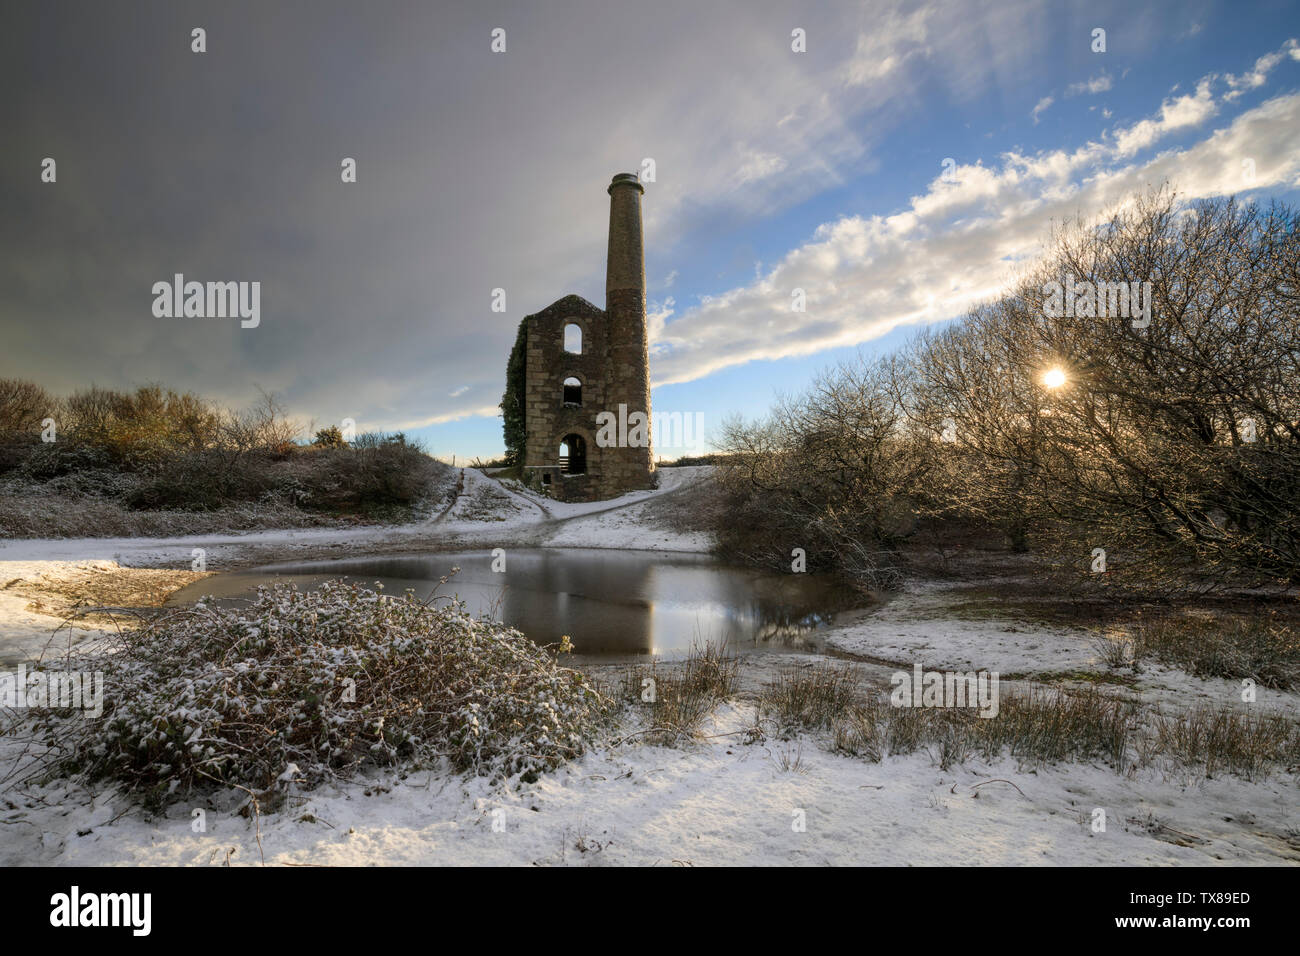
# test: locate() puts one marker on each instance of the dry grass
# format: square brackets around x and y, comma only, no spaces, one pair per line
[1223,740]
[1038,726]
[100,586]
[1115,651]
[681,695]
[1263,649]
[811,697]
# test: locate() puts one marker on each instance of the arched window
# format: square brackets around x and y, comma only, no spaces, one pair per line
[573,455]
[572,391]
[573,338]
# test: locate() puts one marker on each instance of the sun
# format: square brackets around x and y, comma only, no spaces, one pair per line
[1054,378]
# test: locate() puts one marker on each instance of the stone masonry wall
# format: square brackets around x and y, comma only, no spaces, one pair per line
[605,382]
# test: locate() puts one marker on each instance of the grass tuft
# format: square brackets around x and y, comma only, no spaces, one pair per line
[1263,649]
[682,694]
[811,697]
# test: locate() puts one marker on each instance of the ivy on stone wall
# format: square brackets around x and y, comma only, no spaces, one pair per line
[513,402]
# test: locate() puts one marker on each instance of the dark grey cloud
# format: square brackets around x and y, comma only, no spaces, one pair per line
[475,171]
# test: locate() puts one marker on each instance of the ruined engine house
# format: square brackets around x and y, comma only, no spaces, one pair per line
[582,362]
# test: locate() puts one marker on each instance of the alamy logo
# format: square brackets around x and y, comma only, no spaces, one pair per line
[1113,300]
[946,689]
[624,429]
[74,689]
[212,300]
[103,909]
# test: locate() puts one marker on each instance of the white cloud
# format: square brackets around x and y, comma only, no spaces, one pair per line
[1175,114]
[759,165]
[959,243]
[483,411]
[893,39]
[1257,75]
[1043,104]
[1098,84]
[657,314]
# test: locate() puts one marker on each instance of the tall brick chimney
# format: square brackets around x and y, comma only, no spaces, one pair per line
[629,371]
[626,265]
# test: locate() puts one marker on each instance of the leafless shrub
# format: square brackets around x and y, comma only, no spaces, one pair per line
[830,473]
[23,406]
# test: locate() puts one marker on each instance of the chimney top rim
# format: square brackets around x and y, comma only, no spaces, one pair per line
[625,179]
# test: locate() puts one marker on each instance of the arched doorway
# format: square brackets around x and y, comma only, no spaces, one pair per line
[573,455]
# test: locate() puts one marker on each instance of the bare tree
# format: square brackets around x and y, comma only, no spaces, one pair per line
[23,406]
[829,473]
[1136,392]
[1170,443]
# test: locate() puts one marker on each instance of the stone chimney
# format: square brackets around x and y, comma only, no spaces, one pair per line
[629,371]
[626,265]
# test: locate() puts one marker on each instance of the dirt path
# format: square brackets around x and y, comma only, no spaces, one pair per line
[542,533]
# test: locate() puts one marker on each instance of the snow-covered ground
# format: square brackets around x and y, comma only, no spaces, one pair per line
[519,517]
[720,801]
[918,625]
[932,623]
[717,800]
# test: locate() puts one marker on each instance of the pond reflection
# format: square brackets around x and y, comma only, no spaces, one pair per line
[608,602]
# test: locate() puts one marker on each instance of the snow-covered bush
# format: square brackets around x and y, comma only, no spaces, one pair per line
[307,685]
[42,510]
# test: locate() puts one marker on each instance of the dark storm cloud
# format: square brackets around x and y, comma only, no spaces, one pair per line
[475,171]
[225,166]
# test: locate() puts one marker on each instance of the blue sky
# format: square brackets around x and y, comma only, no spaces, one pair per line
[775,170]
